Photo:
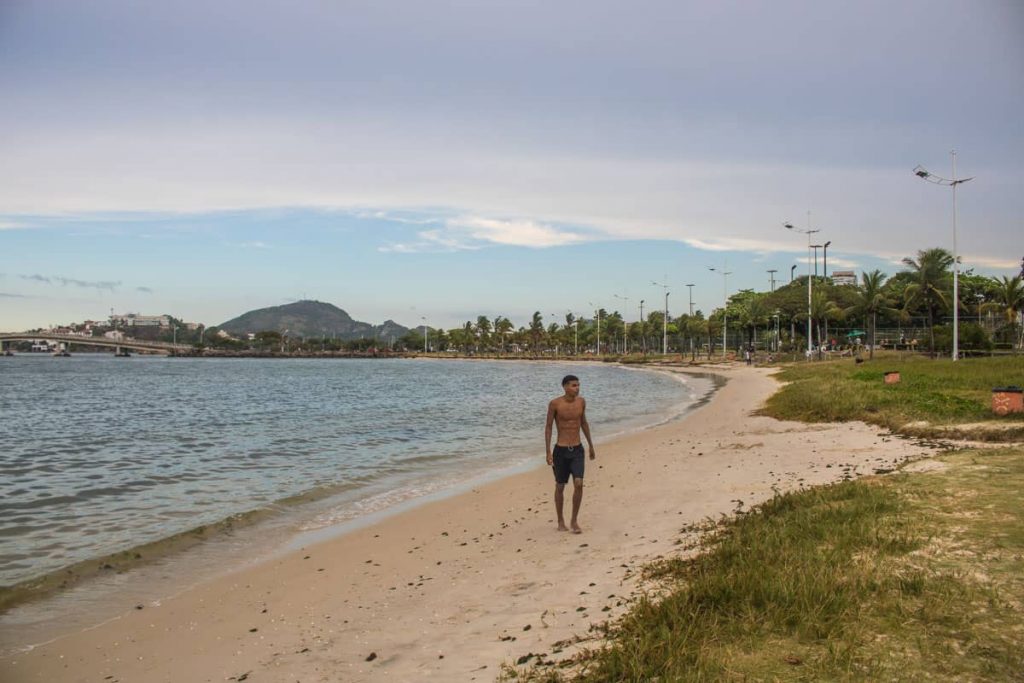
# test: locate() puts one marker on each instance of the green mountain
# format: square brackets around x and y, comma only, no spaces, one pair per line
[311,319]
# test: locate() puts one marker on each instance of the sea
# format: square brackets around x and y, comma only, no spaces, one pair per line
[101,455]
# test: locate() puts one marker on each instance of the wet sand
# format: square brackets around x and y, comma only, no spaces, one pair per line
[452,589]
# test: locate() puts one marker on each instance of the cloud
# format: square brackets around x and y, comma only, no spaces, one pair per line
[470,232]
[104,285]
[839,262]
[255,244]
[520,233]
[14,225]
[988,262]
[145,290]
[436,241]
[8,295]
[393,218]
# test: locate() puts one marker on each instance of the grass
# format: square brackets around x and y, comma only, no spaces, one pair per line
[933,398]
[904,578]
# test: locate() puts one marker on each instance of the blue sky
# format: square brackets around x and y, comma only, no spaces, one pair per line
[450,159]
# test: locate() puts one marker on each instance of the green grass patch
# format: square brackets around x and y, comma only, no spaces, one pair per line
[907,577]
[932,398]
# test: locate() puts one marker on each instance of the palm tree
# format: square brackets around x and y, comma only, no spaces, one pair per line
[871,298]
[750,313]
[502,326]
[930,286]
[823,308]
[1008,299]
[536,330]
[483,329]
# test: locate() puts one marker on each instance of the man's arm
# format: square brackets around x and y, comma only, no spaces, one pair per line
[547,433]
[586,430]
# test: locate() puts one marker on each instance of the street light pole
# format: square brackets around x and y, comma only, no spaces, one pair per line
[424,319]
[824,260]
[688,332]
[643,329]
[791,269]
[598,311]
[923,174]
[691,299]
[808,232]
[625,325]
[815,247]
[664,322]
[725,305]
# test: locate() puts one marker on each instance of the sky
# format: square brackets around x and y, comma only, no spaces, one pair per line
[435,161]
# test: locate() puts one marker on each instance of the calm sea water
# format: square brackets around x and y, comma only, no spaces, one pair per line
[101,454]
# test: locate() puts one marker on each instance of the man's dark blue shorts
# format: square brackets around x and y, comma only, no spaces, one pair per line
[568,460]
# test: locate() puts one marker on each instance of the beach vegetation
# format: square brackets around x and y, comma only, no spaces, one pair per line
[910,576]
[932,398]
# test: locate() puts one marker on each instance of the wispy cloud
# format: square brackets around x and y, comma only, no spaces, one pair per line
[9,295]
[255,244]
[987,262]
[103,285]
[145,290]
[396,218]
[437,241]
[13,225]
[520,233]
[843,262]
[477,232]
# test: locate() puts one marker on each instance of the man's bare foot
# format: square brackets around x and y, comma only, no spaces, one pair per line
[576,528]
[563,527]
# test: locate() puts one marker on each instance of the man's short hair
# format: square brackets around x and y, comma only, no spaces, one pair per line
[569,378]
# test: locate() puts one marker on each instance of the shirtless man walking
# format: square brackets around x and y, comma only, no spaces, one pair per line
[569,413]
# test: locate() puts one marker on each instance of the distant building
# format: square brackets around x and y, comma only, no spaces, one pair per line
[844,277]
[136,320]
[116,335]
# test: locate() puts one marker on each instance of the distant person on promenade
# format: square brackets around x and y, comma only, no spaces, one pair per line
[569,412]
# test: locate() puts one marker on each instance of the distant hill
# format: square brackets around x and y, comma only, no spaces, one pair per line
[311,319]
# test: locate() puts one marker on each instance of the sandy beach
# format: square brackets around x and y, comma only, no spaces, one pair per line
[450,590]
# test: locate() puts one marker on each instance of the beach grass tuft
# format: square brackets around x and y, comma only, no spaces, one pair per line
[912,576]
[934,398]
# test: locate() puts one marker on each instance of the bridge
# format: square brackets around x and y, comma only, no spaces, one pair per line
[121,346]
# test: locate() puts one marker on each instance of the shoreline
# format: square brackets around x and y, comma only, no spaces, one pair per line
[452,588]
[311,516]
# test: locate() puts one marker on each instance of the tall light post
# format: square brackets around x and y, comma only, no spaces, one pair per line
[771,278]
[791,269]
[920,172]
[625,325]
[643,329]
[815,247]
[808,232]
[575,336]
[664,322]
[688,332]
[725,304]
[424,319]
[824,259]
[597,310]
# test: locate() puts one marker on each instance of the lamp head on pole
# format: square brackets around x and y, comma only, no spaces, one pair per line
[788,226]
[828,243]
[920,172]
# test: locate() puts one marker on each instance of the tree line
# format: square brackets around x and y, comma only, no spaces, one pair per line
[916,301]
